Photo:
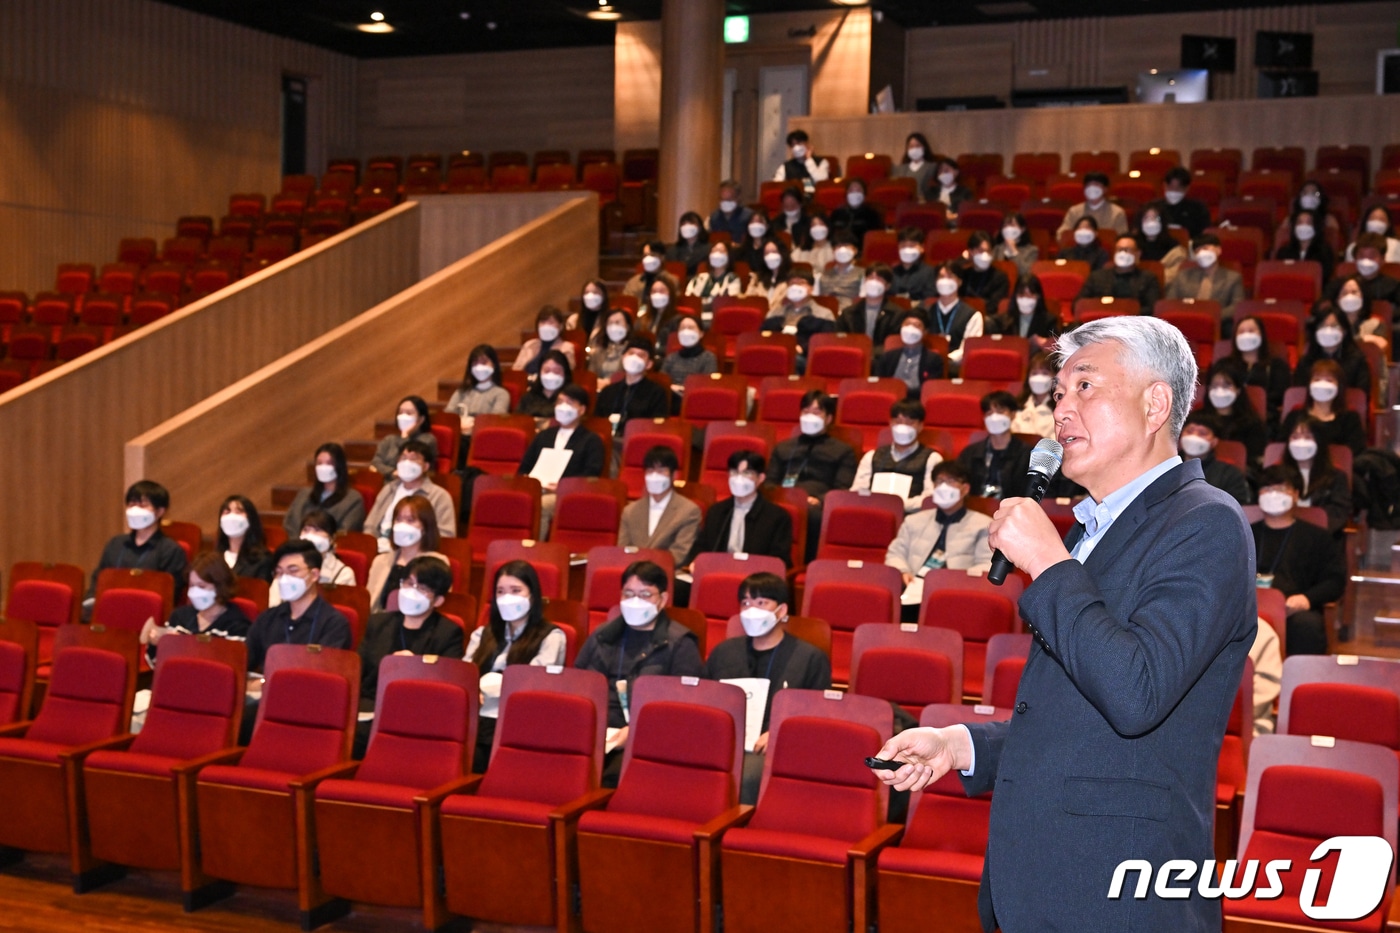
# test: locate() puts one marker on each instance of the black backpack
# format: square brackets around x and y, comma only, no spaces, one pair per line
[1376,487]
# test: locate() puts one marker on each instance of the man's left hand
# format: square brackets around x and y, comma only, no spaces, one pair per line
[1024,533]
[1297,603]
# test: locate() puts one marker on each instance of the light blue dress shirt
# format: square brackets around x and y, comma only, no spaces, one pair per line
[1097,517]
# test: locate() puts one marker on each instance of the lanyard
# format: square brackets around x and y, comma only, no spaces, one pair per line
[944,323]
[1283,546]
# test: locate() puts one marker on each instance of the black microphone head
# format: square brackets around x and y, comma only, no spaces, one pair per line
[1047,457]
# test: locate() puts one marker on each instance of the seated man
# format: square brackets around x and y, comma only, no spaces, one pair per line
[913,278]
[144,546]
[642,640]
[913,363]
[410,479]
[803,167]
[766,651]
[800,316]
[949,535]
[634,395]
[1297,558]
[1206,279]
[996,465]
[745,523]
[1125,278]
[1176,209]
[905,456]
[662,519]
[1369,250]
[303,617]
[1106,214]
[872,314]
[731,217]
[814,461]
[1199,438]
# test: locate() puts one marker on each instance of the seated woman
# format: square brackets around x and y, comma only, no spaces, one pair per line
[1330,337]
[539,399]
[1251,353]
[332,492]
[916,165]
[814,246]
[692,243]
[1087,247]
[414,628]
[1155,244]
[1306,243]
[770,277]
[210,609]
[1377,221]
[750,249]
[549,335]
[414,424]
[981,279]
[1015,244]
[1227,399]
[1334,422]
[516,633]
[715,279]
[856,216]
[1355,302]
[1324,485]
[609,343]
[660,313]
[1311,198]
[592,301]
[241,539]
[693,358]
[480,393]
[587,458]
[415,533]
[1036,414]
[319,528]
[1027,315]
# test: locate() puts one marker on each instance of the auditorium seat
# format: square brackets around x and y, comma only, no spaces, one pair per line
[19,654]
[48,595]
[1007,653]
[725,438]
[587,512]
[850,595]
[1342,696]
[1232,765]
[780,400]
[602,580]
[714,398]
[907,664]
[858,525]
[640,435]
[353,602]
[503,507]
[863,404]
[1288,279]
[976,614]
[549,559]
[715,583]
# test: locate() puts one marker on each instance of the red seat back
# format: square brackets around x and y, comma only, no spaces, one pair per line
[89,698]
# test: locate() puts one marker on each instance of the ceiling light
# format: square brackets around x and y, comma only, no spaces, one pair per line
[377,17]
[378,28]
[604,12]
[490,25]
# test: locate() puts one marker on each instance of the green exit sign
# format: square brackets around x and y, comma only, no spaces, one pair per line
[736,29]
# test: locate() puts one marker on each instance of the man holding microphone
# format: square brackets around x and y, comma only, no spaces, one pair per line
[1142,619]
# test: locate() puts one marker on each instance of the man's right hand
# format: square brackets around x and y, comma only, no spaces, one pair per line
[928,754]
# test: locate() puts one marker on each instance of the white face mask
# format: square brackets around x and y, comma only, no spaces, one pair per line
[1302,448]
[138,518]
[945,496]
[1367,267]
[1011,234]
[1151,227]
[799,151]
[1223,398]
[233,524]
[1350,303]
[911,335]
[1303,232]
[687,337]
[592,301]
[660,300]
[1322,390]
[1040,383]
[772,260]
[1093,193]
[812,424]
[633,365]
[637,612]
[409,470]
[982,261]
[719,260]
[321,541]
[1124,259]
[997,424]
[617,332]
[855,198]
[512,607]
[873,288]
[1377,226]
[947,179]
[405,422]
[651,263]
[819,234]
[741,486]
[551,381]
[483,373]
[548,333]
[565,414]
[904,434]
[844,254]
[1174,197]
[757,230]
[1275,503]
[1026,304]
[1309,202]
[412,602]
[909,254]
[201,597]
[406,535]
[916,153]
[689,231]
[1329,337]
[1084,236]
[727,207]
[1205,258]
[1193,445]
[757,622]
[325,473]
[290,588]
[797,293]
[1248,341]
[658,483]
[946,287]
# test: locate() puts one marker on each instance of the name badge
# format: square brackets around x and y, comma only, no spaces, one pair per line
[1264,580]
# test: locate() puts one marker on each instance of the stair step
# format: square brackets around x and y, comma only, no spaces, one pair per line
[283,495]
[360,450]
[445,388]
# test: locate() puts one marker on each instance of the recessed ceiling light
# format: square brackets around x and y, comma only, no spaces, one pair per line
[465,15]
[490,25]
[377,28]
[604,12]
[377,17]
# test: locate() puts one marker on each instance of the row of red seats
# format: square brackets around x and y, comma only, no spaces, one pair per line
[392,171]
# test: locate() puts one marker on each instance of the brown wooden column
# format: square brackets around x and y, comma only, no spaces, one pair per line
[692,91]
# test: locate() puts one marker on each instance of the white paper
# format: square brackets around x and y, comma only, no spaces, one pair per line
[913,593]
[610,741]
[756,691]
[685,577]
[550,466]
[896,484]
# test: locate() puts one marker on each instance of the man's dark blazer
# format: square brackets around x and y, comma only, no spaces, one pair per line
[767,530]
[1111,753]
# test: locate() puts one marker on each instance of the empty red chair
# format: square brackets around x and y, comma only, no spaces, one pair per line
[499,442]
[1288,279]
[503,507]
[546,762]
[735,316]
[760,354]
[1062,279]
[850,595]
[864,405]
[835,357]
[419,751]
[977,616]
[550,560]
[869,167]
[677,796]
[858,525]
[805,860]
[1228,162]
[587,512]
[641,435]
[137,251]
[722,439]
[1357,701]
[122,612]
[715,397]
[991,361]
[1290,159]
[150,307]
[46,594]
[603,177]
[19,654]
[74,278]
[102,310]
[907,664]
[1006,657]
[1035,165]
[985,215]
[52,309]
[167,278]
[249,205]
[249,808]
[602,580]
[715,583]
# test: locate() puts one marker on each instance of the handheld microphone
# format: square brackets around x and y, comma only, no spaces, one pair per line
[1045,463]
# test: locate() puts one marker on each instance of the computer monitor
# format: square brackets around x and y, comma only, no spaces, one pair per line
[1187,86]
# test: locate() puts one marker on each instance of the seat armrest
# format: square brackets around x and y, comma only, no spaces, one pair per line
[571,811]
[16,729]
[869,847]
[715,828]
[309,781]
[224,756]
[466,784]
[79,752]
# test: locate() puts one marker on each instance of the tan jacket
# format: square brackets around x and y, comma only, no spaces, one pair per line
[675,532]
[1226,286]
[965,549]
[443,508]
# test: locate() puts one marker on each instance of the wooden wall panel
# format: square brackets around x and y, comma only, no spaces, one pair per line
[637,86]
[456,225]
[338,385]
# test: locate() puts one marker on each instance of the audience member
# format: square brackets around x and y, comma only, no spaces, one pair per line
[1267,658]
[916,165]
[692,358]
[1207,280]
[1306,243]
[516,632]
[1236,419]
[950,316]
[1087,247]
[749,249]
[663,519]
[873,315]
[412,424]
[331,491]
[1016,245]
[1326,404]
[882,469]
[1176,209]
[415,534]
[841,278]
[241,539]
[1028,315]
[653,271]
[770,276]
[549,337]
[813,461]
[145,546]
[913,278]
[717,278]
[913,363]
[814,245]
[1096,205]
[799,315]
[996,464]
[319,527]
[1324,486]
[981,279]
[948,535]
[540,398]
[766,651]
[588,456]
[791,218]
[209,608]
[1037,412]
[660,313]
[692,246]
[609,341]
[593,300]
[1330,338]
[1199,437]
[1369,249]
[303,617]
[1250,352]
[1377,223]
[1312,199]
[1352,300]
[1124,279]
[745,522]
[414,628]
[1297,558]
[481,392]
[411,479]
[634,395]
[731,216]
[803,166]
[950,191]
[857,217]
[1155,244]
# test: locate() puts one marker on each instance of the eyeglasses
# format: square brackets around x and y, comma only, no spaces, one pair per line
[415,585]
[646,593]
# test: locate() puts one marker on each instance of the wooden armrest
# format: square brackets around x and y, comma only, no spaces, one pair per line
[571,811]
[309,781]
[80,752]
[735,816]
[16,729]
[869,847]
[225,756]
[466,784]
